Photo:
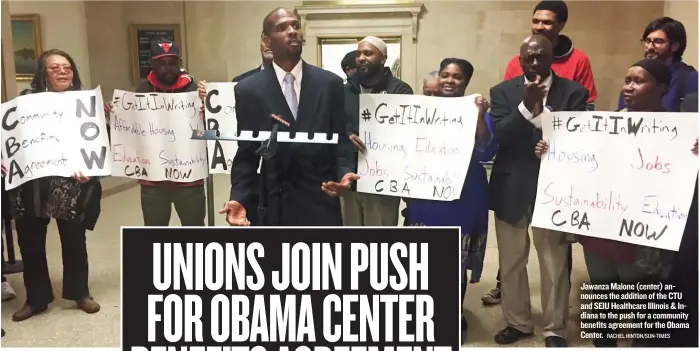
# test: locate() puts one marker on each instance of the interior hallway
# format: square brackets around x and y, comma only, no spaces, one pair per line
[64,326]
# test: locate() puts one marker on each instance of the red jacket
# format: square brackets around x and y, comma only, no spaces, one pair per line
[569,63]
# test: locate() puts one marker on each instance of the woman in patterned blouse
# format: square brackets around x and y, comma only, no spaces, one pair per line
[73,202]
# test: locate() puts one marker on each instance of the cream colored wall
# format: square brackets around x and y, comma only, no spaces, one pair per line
[221,38]
[108,24]
[489,33]
[686,12]
[63,26]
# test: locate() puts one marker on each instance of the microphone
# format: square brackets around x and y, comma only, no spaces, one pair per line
[269,147]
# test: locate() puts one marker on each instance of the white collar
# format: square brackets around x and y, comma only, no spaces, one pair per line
[547,82]
[296,72]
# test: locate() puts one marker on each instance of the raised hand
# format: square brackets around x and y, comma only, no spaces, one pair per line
[534,94]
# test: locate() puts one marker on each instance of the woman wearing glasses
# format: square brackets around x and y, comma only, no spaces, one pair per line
[73,202]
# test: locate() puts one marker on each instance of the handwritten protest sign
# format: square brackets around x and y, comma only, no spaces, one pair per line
[151,136]
[54,134]
[220,109]
[417,146]
[621,176]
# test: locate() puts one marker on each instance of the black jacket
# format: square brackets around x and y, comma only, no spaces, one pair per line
[245,75]
[389,85]
[293,177]
[513,185]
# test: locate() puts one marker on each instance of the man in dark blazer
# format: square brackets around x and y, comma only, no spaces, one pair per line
[516,105]
[266,55]
[302,181]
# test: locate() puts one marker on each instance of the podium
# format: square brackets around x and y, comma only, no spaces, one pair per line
[267,150]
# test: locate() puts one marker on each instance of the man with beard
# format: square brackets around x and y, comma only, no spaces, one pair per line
[665,39]
[157,198]
[516,105]
[372,77]
[300,184]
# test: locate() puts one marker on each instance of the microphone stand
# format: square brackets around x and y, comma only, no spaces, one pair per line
[267,151]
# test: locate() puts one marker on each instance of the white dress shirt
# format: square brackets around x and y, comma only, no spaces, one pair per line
[536,121]
[296,72]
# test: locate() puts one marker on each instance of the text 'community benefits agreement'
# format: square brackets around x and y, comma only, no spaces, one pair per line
[262,289]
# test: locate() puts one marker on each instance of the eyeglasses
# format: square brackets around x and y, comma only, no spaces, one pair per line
[57,68]
[654,42]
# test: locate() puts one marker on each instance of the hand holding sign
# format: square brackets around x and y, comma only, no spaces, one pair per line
[624,176]
[150,136]
[359,145]
[201,89]
[336,189]
[541,148]
[482,105]
[81,178]
[417,146]
[54,134]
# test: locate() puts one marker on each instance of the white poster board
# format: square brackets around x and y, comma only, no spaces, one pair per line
[622,176]
[54,134]
[220,112]
[151,136]
[417,146]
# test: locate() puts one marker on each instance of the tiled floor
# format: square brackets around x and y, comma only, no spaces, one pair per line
[65,326]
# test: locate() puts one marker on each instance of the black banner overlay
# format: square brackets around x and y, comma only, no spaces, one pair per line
[291,289]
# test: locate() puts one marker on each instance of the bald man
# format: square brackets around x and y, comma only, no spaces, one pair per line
[430,83]
[516,105]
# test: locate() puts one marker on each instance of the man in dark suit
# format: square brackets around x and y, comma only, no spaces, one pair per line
[302,181]
[516,105]
[266,54]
